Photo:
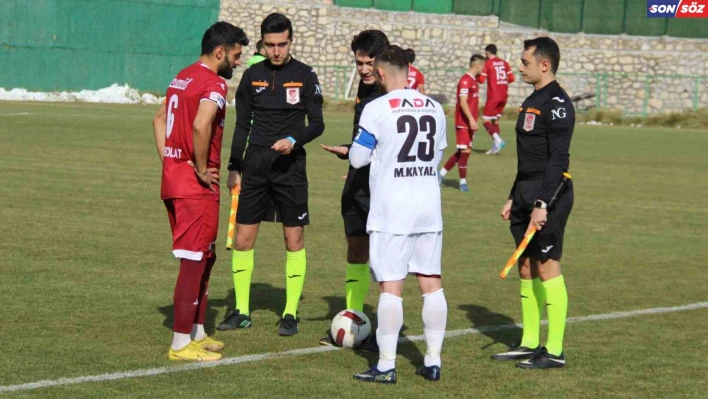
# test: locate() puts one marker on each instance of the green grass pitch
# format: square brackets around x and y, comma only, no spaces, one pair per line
[87,275]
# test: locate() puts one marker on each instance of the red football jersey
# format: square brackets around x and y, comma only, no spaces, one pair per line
[467,87]
[415,77]
[192,85]
[498,75]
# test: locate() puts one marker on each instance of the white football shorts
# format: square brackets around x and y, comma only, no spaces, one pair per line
[393,256]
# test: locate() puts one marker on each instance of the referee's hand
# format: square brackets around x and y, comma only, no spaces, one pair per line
[233,180]
[506,211]
[538,218]
[283,146]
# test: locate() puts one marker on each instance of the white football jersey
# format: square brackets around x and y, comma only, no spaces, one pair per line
[410,133]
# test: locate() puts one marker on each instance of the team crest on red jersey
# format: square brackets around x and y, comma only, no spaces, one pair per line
[293,96]
[529,121]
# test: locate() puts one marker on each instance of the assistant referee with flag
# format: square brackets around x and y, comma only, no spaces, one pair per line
[543,132]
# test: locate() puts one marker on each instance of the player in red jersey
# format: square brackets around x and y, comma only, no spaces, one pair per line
[188,134]
[416,80]
[466,115]
[498,75]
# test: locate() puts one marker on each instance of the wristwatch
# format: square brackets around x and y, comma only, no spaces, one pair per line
[540,204]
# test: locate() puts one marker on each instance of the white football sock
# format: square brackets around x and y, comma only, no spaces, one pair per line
[390,319]
[180,340]
[497,138]
[443,172]
[434,322]
[463,181]
[198,332]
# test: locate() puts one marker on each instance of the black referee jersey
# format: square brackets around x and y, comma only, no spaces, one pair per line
[277,99]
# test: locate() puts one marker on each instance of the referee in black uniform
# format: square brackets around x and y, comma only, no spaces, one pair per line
[278,94]
[356,194]
[543,132]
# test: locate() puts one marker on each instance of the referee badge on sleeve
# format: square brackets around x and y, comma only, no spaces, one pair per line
[529,120]
[292,96]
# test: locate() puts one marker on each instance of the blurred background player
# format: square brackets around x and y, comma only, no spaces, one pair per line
[280,93]
[188,134]
[405,220]
[258,56]
[416,80]
[498,75]
[544,130]
[356,194]
[466,115]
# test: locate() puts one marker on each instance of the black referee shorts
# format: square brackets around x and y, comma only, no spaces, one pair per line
[547,243]
[356,198]
[273,180]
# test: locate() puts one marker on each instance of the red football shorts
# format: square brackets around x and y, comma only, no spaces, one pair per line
[493,108]
[194,224]
[464,137]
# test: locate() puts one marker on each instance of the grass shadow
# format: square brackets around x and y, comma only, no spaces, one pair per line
[451,183]
[499,327]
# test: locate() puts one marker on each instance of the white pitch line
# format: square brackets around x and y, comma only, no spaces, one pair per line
[319,349]
[16,114]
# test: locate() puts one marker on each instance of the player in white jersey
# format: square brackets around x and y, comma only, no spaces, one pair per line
[403,134]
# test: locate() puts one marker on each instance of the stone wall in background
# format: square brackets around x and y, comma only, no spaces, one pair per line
[639,75]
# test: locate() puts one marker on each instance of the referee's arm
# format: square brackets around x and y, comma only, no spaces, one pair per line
[560,131]
[244,109]
[313,107]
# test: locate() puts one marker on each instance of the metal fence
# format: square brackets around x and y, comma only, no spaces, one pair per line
[633,94]
[568,16]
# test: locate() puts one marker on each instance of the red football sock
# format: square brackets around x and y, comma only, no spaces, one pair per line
[464,156]
[452,161]
[186,297]
[497,128]
[489,127]
[204,291]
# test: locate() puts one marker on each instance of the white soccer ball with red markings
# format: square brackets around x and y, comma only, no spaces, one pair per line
[350,328]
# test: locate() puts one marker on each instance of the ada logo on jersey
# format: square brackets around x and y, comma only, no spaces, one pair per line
[417,103]
[292,96]
[677,8]
[529,121]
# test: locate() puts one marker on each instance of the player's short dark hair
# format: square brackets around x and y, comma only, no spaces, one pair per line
[222,34]
[477,57]
[369,42]
[546,49]
[392,55]
[276,23]
[259,45]
[410,54]
[491,48]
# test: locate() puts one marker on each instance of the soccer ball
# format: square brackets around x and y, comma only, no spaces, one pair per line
[350,328]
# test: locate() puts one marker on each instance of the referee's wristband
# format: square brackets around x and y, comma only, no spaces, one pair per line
[292,140]
[235,164]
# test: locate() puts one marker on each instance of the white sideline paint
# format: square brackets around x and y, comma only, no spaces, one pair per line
[319,349]
[16,114]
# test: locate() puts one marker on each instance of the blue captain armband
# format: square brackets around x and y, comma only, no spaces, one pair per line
[365,139]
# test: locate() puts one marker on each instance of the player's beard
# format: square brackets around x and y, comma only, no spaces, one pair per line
[225,70]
